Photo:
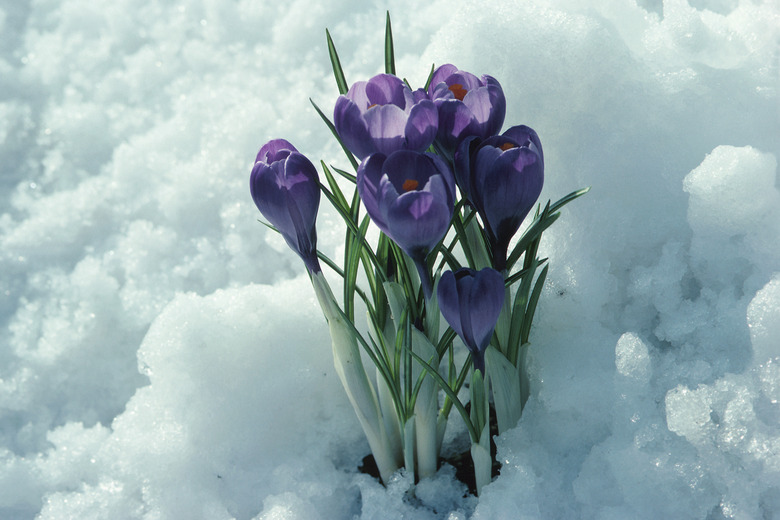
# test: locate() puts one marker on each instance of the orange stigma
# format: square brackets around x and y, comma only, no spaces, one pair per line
[372,106]
[458,91]
[410,184]
[507,146]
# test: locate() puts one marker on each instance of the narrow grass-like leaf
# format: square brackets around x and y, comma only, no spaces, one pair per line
[346,217]
[430,77]
[338,73]
[352,254]
[349,176]
[534,231]
[568,198]
[334,187]
[531,308]
[389,52]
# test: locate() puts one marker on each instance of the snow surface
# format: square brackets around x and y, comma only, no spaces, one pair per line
[162,356]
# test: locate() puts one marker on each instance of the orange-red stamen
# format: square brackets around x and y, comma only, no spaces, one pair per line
[410,184]
[458,91]
[507,146]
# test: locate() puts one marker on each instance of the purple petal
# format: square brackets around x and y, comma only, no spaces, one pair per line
[352,128]
[357,94]
[471,302]
[421,126]
[274,150]
[369,177]
[449,302]
[462,165]
[384,89]
[301,182]
[386,126]
[455,123]
[498,102]
[510,190]
[465,79]
[525,136]
[485,302]
[406,165]
[271,201]
[440,75]
[417,221]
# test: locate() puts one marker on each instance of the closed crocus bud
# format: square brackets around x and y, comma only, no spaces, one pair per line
[502,177]
[383,115]
[471,301]
[285,189]
[467,106]
[410,196]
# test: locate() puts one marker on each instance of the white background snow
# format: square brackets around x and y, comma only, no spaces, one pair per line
[162,355]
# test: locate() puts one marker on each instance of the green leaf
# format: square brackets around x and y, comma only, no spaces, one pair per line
[389,53]
[334,187]
[430,77]
[397,301]
[341,81]
[568,198]
[531,308]
[349,176]
[505,381]
[534,231]
[548,216]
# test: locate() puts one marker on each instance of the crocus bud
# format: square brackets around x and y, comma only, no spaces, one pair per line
[410,196]
[471,301]
[467,106]
[502,177]
[384,115]
[285,189]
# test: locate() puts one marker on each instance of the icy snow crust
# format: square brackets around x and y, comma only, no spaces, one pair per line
[162,356]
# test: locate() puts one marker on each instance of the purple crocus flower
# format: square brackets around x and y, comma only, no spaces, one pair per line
[502,177]
[285,189]
[384,115]
[410,196]
[471,301]
[467,106]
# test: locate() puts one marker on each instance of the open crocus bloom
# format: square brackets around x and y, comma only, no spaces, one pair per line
[383,115]
[285,189]
[410,196]
[467,106]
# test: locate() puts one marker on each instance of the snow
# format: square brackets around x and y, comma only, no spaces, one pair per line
[162,355]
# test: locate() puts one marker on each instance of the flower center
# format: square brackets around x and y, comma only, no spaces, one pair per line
[409,185]
[458,91]
[507,146]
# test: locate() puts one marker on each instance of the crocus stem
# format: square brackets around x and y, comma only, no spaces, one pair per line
[359,389]
[425,278]
[480,417]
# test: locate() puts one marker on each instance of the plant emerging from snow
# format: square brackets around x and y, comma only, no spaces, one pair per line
[417,147]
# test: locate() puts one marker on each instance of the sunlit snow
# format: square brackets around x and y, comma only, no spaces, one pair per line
[162,355]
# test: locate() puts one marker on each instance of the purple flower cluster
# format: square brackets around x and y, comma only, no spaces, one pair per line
[408,192]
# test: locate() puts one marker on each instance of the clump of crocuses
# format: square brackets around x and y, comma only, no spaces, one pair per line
[449,195]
